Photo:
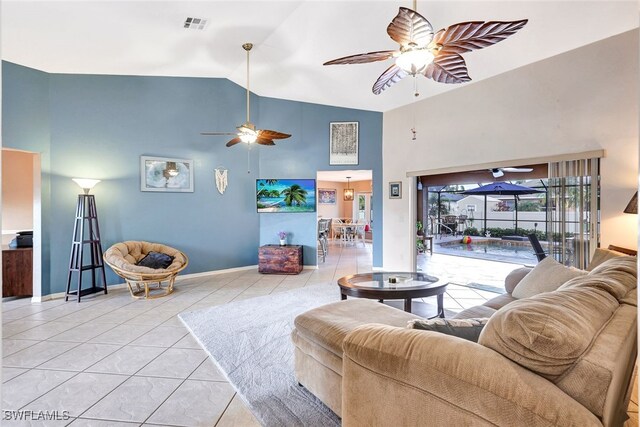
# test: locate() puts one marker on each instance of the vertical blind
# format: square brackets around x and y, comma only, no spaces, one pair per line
[573,211]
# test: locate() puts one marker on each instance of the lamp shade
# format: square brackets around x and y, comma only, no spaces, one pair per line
[86,184]
[632,207]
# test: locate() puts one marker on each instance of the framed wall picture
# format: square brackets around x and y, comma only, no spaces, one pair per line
[166,174]
[286,195]
[343,143]
[395,190]
[327,196]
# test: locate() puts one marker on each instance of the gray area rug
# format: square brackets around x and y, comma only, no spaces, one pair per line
[250,341]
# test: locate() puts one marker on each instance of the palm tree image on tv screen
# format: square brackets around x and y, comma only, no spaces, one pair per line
[286,195]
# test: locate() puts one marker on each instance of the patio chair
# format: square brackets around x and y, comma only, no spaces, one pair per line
[462,224]
[448,225]
[537,247]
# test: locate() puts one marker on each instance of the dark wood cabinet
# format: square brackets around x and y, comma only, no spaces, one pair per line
[17,272]
[277,259]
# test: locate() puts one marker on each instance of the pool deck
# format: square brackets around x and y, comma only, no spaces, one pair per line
[463,271]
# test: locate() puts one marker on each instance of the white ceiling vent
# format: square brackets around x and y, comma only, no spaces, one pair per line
[195,23]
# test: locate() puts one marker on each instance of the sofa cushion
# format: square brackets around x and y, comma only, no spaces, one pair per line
[601,255]
[474,312]
[549,332]
[468,329]
[547,276]
[499,301]
[617,276]
[327,325]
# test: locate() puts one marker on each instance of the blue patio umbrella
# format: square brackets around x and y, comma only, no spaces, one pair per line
[501,188]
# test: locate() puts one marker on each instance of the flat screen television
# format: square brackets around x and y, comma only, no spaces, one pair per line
[286,195]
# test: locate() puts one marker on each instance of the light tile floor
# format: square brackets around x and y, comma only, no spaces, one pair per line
[115,361]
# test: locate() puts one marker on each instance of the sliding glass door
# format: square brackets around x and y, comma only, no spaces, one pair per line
[573,212]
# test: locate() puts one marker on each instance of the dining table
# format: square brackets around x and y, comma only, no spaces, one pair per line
[346,231]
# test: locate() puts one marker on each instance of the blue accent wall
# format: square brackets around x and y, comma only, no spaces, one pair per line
[305,153]
[97,126]
[26,126]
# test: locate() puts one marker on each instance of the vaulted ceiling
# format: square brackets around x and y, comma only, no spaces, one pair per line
[292,39]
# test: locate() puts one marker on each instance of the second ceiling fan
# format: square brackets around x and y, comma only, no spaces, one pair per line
[247,132]
[436,56]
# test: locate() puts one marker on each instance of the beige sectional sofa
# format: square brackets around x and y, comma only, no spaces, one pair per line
[564,357]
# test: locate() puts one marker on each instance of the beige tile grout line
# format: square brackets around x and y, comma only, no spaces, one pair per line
[151,361]
[125,345]
[84,370]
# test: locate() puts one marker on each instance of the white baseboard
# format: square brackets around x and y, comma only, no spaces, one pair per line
[50,297]
[61,294]
[216,272]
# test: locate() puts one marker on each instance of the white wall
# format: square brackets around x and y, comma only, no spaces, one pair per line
[583,100]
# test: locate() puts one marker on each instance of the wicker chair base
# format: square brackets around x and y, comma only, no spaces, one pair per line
[145,289]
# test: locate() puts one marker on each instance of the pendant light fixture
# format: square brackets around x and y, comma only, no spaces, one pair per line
[348,192]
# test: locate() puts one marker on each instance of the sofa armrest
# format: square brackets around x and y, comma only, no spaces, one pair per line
[395,376]
[515,277]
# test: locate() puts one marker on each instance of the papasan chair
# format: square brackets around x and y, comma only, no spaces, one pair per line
[123,258]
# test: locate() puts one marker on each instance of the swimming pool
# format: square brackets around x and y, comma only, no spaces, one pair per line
[496,250]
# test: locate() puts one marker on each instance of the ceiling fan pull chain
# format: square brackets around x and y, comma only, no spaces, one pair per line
[247,47]
[413,110]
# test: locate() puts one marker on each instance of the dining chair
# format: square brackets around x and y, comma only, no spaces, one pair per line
[336,229]
[359,233]
[323,231]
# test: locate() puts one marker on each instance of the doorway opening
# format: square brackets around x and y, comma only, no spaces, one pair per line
[345,201]
[21,212]
[492,214]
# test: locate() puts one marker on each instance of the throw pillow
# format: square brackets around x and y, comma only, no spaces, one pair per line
[602,255]
[468,329]
[547,276]
[156,260]
[548,333]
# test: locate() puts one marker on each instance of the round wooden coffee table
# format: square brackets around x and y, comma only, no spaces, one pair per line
[407,286]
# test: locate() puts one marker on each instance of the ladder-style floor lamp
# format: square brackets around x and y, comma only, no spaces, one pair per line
[86,231]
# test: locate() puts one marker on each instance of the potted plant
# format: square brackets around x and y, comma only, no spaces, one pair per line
[420,228]
[282,235]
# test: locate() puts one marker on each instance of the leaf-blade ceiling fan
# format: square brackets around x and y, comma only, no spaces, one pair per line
[247,131]
[434,55]
[499,172]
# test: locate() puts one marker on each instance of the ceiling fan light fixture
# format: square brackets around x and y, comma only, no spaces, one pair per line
[414,61]
[247,132]
[249,138]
